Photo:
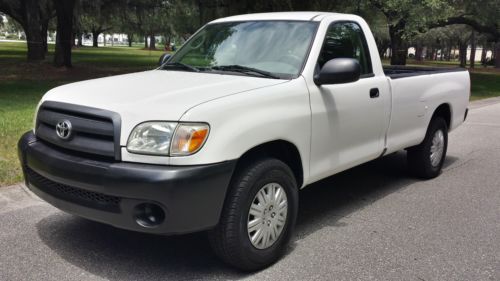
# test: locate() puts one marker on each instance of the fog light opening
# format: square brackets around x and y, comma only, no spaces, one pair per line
[148,215]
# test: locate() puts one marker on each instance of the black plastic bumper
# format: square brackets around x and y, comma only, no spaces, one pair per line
[191,196]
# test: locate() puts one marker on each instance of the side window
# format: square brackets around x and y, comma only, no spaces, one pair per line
[346,40]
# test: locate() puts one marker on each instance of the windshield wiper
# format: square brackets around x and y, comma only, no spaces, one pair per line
[181,65]
[245,70]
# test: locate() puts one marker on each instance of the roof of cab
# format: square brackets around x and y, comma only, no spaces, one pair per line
[299,16]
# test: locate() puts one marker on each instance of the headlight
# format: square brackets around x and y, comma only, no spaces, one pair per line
[151,138]
[167,138]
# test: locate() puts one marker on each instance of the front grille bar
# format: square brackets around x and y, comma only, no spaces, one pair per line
[94,131]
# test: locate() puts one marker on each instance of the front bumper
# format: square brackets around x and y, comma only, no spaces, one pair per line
[191,197]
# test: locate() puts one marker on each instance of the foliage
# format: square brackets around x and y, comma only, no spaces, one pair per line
[395,23]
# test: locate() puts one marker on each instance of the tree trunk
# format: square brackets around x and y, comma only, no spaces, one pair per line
[145,41]
[34,23]
[497,55]
[130,38]
[80,39]
[463,54]
[45,27]
[200,11]
[36,49]
[152,42]
[104,37]
[383,49]
[33,28]
[484,52]
[472,57]
[95,38]
[418,52]
[430,54]
[398,46]
[112,39]
[64,12]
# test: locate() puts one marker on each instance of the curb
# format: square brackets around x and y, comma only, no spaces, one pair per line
[484,102]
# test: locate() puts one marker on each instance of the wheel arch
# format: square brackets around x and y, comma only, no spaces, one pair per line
[280,149]
[444,110]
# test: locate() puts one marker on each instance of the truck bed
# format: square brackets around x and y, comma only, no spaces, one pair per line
[396,72]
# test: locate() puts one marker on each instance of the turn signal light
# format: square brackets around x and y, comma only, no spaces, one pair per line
[188,139]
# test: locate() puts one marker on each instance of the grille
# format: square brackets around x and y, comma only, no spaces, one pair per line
[92,130]
[75,195]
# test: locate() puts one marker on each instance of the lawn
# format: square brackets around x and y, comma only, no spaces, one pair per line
[22,85]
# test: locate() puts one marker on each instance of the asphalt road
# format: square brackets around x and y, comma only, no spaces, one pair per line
[373,222]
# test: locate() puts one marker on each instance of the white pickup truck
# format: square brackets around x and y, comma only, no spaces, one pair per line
[224,134]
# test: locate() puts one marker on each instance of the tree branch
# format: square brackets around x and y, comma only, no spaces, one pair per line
[489,29]
[12,12]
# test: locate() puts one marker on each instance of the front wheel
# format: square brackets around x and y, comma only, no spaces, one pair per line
[426,159]
[258,216]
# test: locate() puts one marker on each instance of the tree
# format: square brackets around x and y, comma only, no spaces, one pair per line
[405,18]
[97,16]
[2,20]
[481,15]
[64,12]
[152,16]
[127,23]
[33,16]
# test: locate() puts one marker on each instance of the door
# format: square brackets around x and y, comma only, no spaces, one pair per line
[349,120]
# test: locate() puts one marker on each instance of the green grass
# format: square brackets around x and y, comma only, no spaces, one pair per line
[485,85]
[22,85]
[18,100]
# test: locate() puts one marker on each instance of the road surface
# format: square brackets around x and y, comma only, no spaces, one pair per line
[373,222]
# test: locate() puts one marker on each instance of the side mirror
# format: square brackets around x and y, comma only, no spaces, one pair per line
[338,71]
[163,59]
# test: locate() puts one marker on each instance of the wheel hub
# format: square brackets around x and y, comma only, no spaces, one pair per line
[267,215]
[437,148]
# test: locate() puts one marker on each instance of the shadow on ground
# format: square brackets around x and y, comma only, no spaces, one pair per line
[116,254]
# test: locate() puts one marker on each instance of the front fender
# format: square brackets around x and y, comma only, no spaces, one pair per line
[242,121]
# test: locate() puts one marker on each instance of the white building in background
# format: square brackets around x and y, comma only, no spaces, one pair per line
[114,39]
[454,53]
[111,39]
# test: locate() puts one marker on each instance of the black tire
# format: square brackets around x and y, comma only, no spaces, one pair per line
[230,239]
[419,157]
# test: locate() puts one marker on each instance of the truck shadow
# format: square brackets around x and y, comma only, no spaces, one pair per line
[116,254]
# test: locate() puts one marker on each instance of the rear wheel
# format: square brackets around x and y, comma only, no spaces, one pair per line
[426,160]
[258,216]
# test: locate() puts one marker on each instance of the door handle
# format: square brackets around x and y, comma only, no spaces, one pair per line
[374,93]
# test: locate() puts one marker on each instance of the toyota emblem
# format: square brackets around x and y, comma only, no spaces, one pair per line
[63,129]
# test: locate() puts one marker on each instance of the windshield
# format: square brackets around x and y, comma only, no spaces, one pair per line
[274,47]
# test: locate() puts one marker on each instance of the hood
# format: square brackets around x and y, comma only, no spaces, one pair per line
[154,95]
